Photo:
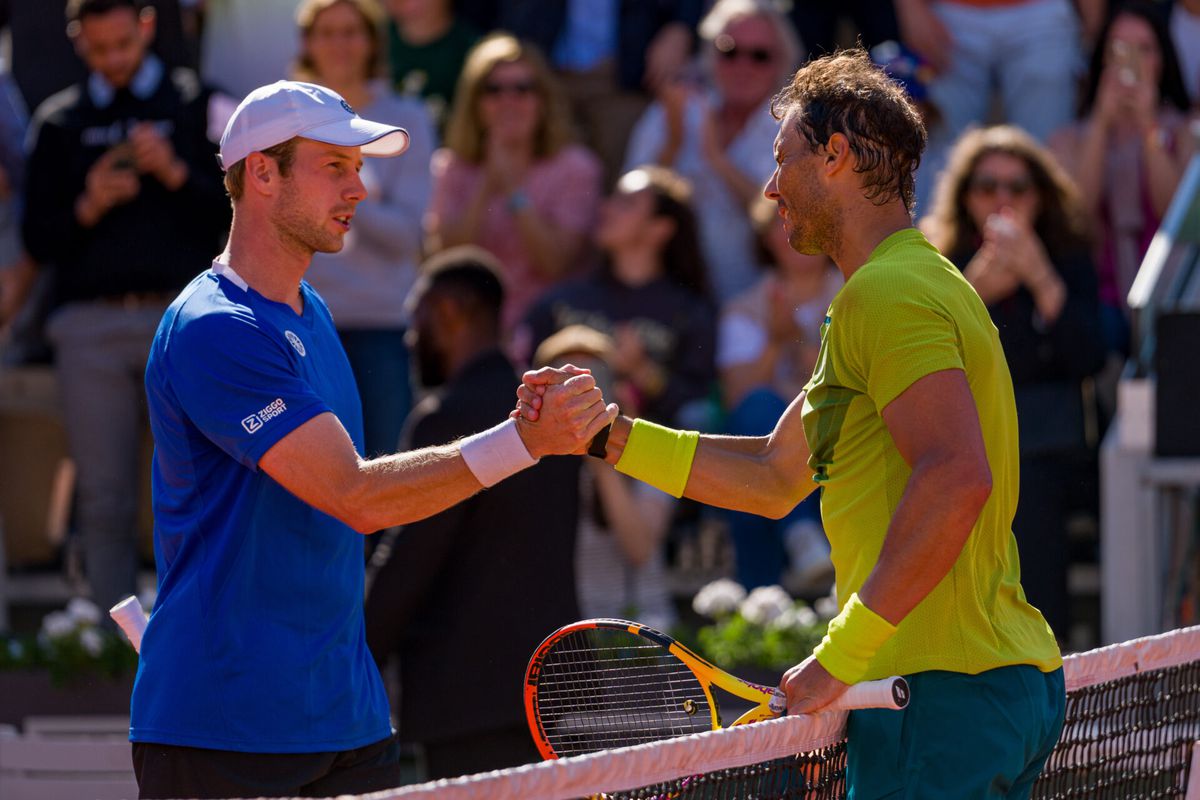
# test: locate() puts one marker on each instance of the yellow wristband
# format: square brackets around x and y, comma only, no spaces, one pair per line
[661,457]
[854,637]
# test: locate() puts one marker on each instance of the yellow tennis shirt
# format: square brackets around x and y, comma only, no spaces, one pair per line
[907,313]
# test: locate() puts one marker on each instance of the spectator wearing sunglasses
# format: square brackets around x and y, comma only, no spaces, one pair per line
[510,179]
[716,130]
[1009,216]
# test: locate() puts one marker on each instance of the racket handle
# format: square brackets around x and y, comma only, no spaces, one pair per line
[129,615]
[884,693]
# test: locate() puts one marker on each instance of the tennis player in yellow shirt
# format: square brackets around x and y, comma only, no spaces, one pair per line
[908,427]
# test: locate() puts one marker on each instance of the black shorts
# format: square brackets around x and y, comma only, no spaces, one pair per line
[167,771]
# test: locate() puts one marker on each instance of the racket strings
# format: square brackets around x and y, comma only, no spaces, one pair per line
[605,688]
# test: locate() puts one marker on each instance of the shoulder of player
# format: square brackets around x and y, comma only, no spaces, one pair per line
[206,316]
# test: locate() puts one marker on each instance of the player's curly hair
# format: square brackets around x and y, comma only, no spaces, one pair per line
[847,93]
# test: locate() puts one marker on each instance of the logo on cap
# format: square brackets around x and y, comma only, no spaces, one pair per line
[346,106]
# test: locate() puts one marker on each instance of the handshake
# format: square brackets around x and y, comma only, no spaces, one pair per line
[560,410]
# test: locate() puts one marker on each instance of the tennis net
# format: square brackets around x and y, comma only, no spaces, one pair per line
[1132,731]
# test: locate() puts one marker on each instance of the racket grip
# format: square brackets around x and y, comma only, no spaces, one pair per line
[128,614]
[884,693]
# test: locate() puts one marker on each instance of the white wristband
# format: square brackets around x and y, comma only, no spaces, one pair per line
[496,453]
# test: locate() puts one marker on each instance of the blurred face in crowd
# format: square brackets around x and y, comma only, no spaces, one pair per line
[628,219]
[339,44]
[808,209]
[312,211]
[114,43]
[746,68]
[422,339]
[510,103]
[405,10]
[1001,180]
[1133,47]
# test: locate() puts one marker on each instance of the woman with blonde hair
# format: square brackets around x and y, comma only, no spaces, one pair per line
[510,179]
[1009,216]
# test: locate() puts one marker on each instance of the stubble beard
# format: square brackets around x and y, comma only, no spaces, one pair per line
[300,232]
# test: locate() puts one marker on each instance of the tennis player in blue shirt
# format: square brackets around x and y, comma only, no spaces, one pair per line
[255,678]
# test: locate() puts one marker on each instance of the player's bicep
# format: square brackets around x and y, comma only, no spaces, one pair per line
[317,463]
[787,448]
[935,419]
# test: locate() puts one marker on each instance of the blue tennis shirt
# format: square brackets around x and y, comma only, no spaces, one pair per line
[257,641]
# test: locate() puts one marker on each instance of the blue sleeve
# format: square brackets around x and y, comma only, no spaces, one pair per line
[238,385]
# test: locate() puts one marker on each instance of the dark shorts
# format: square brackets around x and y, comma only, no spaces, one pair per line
[167,771]
[961,737]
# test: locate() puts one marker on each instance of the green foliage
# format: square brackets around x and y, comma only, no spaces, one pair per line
[70,646]
[765,628]
[735,641]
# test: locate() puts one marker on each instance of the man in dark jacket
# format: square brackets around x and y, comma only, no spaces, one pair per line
[474,589]
[124,201]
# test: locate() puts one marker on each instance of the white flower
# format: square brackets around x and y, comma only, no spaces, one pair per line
[58,624]
[83,610]
[91,641]
[718,598]
[765,604]
[826,607]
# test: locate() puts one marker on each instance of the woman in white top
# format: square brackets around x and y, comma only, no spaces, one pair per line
[719,133]
[365,284]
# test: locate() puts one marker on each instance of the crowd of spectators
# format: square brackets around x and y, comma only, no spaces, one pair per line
[603,162]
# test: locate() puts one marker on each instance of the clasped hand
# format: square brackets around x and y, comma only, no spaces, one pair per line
[559,411]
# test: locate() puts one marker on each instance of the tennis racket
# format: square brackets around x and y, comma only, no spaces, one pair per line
[604,683]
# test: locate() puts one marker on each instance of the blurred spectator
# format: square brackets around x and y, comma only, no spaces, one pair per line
[1185,35]
[17,270]
[608,53]
[912,72]
[767,346]
[365,284]
[1007,214]
[43,60]
[427,45]
[1129,151]
[649,295]
[124,199]
[620,565]
[817,21]
[722,139]
[245,44]
[509,178]
[1030,50]
[452,573]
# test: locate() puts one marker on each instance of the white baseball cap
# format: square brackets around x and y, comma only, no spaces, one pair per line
[272,114]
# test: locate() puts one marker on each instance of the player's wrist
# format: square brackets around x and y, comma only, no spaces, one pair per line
[659,456]
[852,640]
[496,453]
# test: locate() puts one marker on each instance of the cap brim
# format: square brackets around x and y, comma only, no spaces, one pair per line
[375,138]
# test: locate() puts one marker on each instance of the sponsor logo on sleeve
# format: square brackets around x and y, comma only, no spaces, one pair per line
[255,421]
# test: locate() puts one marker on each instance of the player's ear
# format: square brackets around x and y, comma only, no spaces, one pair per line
[261,173]
[837,152]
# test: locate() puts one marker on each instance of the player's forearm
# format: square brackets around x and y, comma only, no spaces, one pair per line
[934,519]
[406,487]
[759,474]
